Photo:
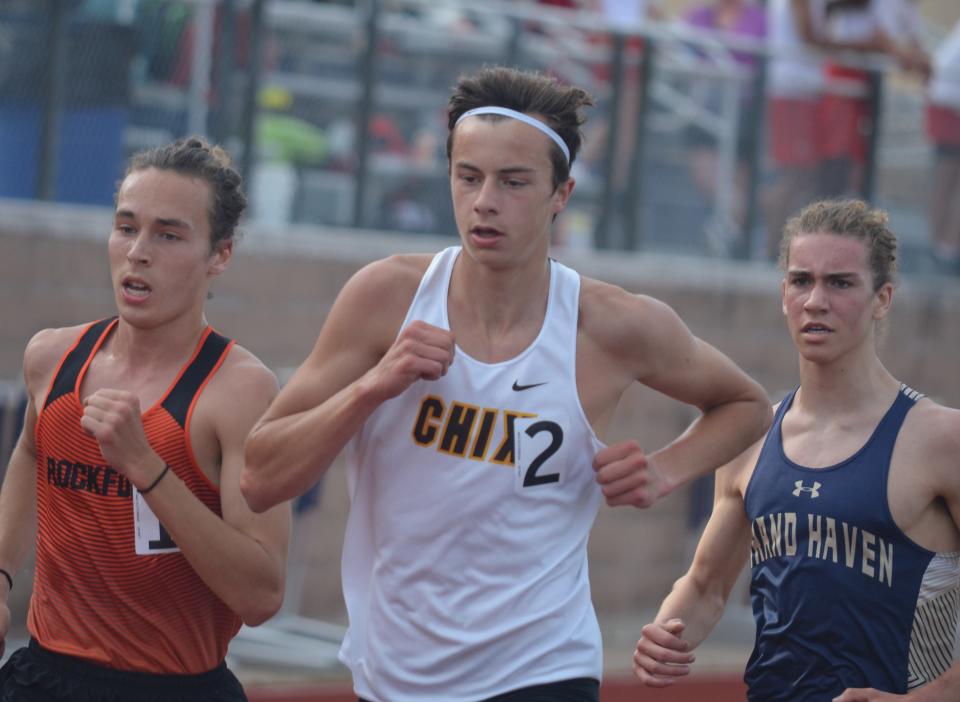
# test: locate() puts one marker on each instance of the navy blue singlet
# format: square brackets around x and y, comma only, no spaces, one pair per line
[836,585]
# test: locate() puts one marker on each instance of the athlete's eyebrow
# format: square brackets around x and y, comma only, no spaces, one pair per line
[838,275]
[506,170]
[172,222]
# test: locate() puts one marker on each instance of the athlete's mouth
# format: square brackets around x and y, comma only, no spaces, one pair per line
[815,328]
[135,287]
[486,232]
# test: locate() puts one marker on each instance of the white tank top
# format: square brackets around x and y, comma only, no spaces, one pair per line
[464,573]
[795,70]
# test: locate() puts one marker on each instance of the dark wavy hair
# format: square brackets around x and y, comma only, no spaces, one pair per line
[529,92]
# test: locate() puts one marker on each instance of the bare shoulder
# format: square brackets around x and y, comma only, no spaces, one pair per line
[243,375]
[611,316]
[932,434]
[371,307]
[43,353]
[390,279]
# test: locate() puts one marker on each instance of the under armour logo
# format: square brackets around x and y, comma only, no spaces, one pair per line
[814,491]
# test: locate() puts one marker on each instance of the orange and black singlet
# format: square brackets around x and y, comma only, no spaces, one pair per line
[93,596]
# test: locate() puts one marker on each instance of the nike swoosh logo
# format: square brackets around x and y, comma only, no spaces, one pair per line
[520,388]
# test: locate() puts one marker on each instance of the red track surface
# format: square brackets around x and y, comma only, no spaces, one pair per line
[615,689]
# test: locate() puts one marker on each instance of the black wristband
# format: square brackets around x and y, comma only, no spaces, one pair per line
[152,485]
[8,577]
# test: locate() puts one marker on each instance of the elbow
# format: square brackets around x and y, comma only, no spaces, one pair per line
[765,415]
[261,608]
[253,487]
[760,416]
[255,491]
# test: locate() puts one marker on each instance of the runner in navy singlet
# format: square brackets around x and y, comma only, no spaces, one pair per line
[848,511]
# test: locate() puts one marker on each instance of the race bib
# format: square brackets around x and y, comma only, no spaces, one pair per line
[538,453]
[150,536]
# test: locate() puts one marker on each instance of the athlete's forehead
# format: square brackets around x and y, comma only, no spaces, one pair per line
[500,143]
[826,253]
[165,197]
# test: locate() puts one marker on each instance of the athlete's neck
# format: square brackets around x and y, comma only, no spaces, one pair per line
[156,347]
[501,311]
[850,386]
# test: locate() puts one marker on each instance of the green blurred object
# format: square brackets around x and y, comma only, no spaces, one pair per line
[291,139]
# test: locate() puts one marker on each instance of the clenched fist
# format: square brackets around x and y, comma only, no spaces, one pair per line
[627,476]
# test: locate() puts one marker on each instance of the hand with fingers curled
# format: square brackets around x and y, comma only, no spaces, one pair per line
[662,655]
[628,476]
[420,351]
[113,418]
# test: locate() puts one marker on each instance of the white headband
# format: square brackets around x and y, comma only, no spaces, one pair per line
[526,119]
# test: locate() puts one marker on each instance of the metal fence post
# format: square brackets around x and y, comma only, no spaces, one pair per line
[634,190]
[250,95]
[221,123]
[756,124]
[601,233]
[54,79]
[874,101]
[368,69]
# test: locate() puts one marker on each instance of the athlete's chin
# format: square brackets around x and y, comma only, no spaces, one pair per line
[142,316]
[496,257]
[820,355]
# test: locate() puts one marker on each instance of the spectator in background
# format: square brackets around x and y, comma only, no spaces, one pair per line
[891,27]
[943,126]
[626,16]
[795,84]
[749,20]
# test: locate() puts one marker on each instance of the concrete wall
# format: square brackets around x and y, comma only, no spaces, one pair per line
[279,288]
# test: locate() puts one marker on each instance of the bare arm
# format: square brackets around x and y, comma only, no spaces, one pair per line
[656,348]
[18,498]
[241,556]
[697,600]
[358,362]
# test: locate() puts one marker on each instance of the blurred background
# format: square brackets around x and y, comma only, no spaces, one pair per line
[714,120]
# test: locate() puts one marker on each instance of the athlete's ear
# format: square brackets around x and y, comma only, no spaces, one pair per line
[561,196]
[222,253]
[883,300]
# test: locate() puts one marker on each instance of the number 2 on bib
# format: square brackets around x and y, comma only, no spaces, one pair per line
[536,441]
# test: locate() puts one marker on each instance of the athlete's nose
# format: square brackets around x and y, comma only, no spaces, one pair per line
[486,199]
[817,298]
[139,251]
